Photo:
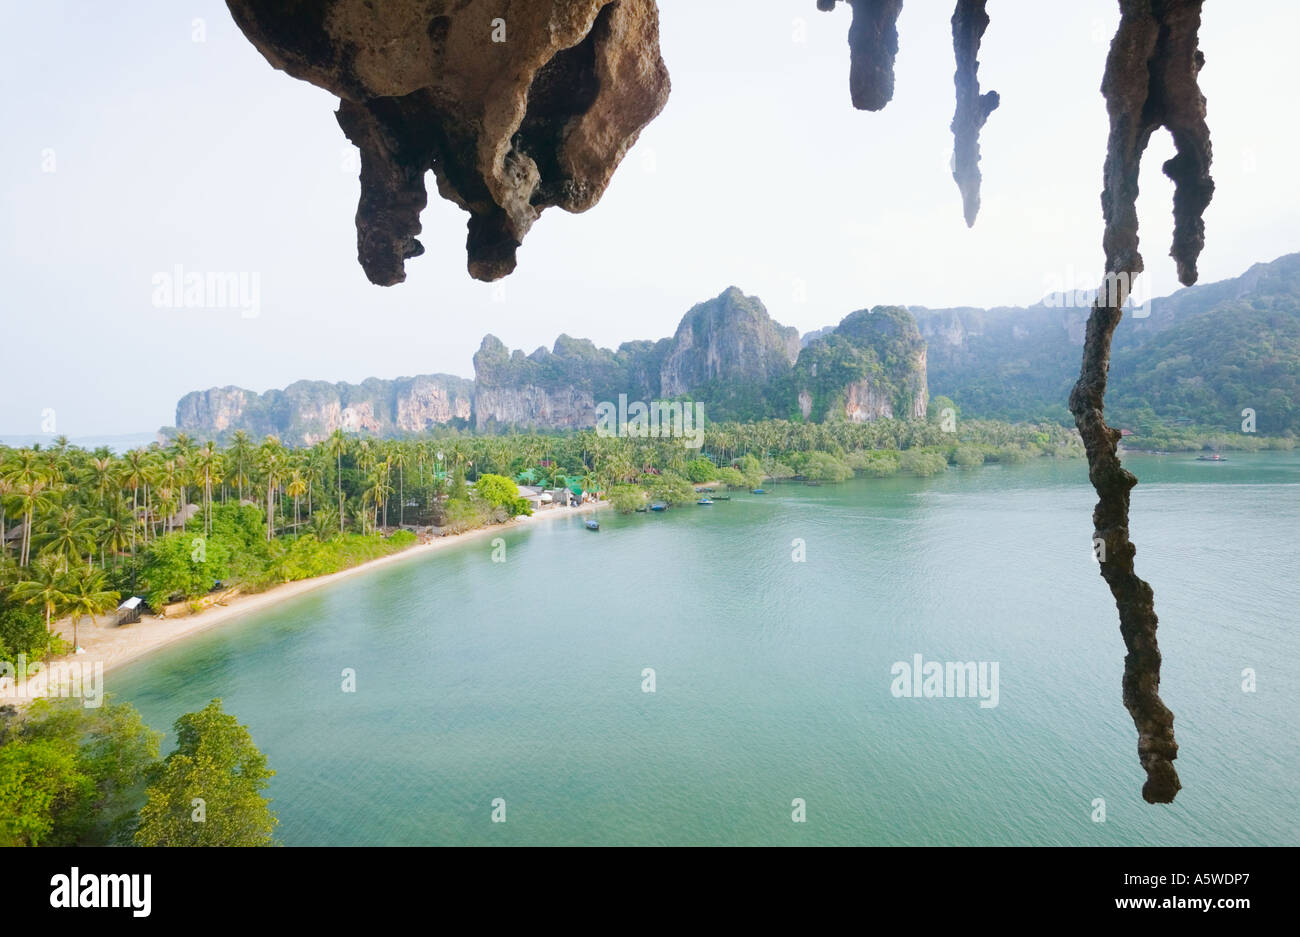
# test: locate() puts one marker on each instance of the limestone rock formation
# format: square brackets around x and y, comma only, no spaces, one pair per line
[212,411]
[544,390]
[727,339]
[515,106]
[306,412]
[872,366]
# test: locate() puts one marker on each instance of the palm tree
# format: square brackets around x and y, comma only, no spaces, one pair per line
[240,457]
[133,475]
[88,595]
[322,525]
[378,492]
[296,488]
[208,465]
[169,475]
[6,489]
[400,458]
[33,496]
[336,446]
[72,535]
[271,460]
[314,472]
[46,588]
[102,471]
[116,532]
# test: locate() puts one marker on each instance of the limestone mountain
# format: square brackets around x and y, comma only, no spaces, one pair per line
[871,366]
[308,411]
[1199,355]
[727,352]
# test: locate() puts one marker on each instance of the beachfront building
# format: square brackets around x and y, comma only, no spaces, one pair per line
[536,496]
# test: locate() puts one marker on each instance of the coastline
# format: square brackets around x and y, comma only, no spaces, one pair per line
[111,646]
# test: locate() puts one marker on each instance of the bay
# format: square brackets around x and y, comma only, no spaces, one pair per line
[523,680]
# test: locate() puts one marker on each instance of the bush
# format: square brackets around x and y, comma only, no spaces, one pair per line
[751,469]
[731,478]
[76,773]
[822,466]
[779,470]
[968,457]
[460,515]
[401,539]
[701,470]
[497,491]
[184,565]
[672,488]
[22,631]
[626,498]
[878,463]
[922,462]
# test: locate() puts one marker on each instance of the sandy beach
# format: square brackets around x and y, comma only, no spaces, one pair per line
[108,646]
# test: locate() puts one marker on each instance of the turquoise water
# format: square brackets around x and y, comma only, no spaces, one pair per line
[522,680]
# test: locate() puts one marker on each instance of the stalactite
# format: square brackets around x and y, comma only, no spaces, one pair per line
[1150,82]
[873,44]
[969,21]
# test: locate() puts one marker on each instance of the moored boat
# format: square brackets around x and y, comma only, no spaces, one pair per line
[592,525]
[705,501]
[658,506]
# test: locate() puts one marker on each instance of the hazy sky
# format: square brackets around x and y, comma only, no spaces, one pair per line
[759,173]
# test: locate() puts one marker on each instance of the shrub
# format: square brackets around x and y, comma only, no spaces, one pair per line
[626,498]
[701,470]
[731,478]
[822,466]
[922,462]
[878,463]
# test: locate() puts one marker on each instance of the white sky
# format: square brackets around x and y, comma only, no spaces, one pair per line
[759,173]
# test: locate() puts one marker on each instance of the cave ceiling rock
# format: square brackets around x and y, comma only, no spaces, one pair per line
[515,105]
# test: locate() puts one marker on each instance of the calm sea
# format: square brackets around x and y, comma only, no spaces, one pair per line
[524,681]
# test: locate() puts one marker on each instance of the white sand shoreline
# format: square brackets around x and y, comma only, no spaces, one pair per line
[109,646]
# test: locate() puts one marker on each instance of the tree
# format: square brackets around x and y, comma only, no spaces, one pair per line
[458,490]
[701,470]
[336,446]
[71,536]
[216,761]
[499,491]
[240,455]
[296,488]
[400,458]
[38,782]
[79,772]
[47,588]
[88,595]
[271,459]
[626,498]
